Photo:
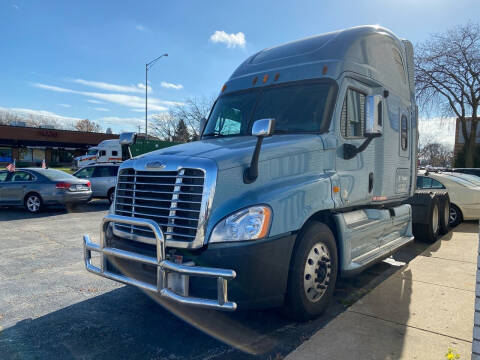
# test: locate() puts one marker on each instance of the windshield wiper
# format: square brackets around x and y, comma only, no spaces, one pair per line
[216,135]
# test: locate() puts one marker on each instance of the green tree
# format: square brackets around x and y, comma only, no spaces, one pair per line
[181,133]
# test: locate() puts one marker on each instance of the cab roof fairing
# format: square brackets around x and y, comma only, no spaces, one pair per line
[362,50]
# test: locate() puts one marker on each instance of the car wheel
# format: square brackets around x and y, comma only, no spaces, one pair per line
[33,203]
[111,195]
[455,217]
[312,274]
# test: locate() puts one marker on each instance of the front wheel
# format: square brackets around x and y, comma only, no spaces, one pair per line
[313,273]
[33,203]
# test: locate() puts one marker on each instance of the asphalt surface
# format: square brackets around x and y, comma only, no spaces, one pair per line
[51,308]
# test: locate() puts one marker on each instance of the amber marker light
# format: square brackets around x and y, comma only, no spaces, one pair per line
[277,75]
[224,87]
[265,78]
[266,222]
[255,79]
[336,189]
[325,69]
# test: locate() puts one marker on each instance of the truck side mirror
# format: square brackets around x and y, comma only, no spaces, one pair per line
[373,115]
[261,128]
[128,138]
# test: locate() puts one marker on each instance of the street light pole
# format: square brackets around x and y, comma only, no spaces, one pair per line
[147,67]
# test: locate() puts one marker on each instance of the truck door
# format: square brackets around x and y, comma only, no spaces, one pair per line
[357,175]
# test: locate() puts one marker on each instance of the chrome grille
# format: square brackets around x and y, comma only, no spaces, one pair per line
[171,198]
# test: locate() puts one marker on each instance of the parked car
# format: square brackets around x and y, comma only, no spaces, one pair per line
[463,189]
[470,171]
[34,188]
[103,178]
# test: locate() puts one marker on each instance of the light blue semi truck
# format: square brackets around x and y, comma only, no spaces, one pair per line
[304,173]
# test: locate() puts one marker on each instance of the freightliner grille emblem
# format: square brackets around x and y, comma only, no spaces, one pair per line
[155,164]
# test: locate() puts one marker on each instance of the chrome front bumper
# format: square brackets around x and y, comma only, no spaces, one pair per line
[163,266]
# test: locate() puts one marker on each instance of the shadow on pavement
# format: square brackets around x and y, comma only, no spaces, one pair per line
[19,213]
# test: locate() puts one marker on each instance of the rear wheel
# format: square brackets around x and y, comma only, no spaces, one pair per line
[313,273]
[455,217]
[33,203]
[445,215]
[429,232]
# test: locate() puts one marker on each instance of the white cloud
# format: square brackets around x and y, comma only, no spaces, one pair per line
[139,88]
[231,40]
[168,85]
[131,101]
[140,27]
[441,130]
[39,114]
[95,101]
[65,105]
[101,109]
[16,7]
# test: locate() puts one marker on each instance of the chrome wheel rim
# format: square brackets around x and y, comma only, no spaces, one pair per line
[316,276]
[435,219]
[33,203]
[453,215]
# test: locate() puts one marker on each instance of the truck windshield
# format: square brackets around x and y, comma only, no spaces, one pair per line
[92,152]
[298,108]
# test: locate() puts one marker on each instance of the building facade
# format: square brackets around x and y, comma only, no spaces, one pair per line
[460,140]
[30,146]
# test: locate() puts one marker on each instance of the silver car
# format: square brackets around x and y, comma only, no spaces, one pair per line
[35,187]
[103,178]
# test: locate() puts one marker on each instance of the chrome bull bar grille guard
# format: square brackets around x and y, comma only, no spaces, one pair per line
[163,266]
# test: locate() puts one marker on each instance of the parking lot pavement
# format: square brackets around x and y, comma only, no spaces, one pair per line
[50,307]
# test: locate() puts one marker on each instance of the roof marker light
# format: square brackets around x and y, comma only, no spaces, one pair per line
[265,78]
[277,75]
[224,87]
[255,79]
[325,69]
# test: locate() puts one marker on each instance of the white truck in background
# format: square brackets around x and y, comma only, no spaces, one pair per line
[107,151]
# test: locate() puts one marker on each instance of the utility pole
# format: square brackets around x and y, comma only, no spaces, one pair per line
[147,67]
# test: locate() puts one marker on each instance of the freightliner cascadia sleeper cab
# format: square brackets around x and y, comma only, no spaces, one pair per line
[301,175]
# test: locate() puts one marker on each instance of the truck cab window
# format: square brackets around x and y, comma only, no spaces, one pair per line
[296,108]
[114,153]
[404,132]
[3,176]
[353,114]
[102,153]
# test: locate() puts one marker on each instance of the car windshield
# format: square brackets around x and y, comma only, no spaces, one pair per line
[298,108]
[56,174]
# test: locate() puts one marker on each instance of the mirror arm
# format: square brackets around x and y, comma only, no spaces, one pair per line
[251,173]
[350,151]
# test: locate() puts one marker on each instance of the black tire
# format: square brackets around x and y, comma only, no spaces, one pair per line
[429,232]
[315,241]
[444,214]
[111,195]
[33,203]
[455,215]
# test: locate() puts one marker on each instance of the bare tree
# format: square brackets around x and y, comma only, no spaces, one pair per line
[165,125]
[87,125]
[447,70]
[435,154]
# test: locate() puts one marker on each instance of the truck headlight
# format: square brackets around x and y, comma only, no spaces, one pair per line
[246,224]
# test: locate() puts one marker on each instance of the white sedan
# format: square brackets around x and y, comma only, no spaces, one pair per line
[463,189]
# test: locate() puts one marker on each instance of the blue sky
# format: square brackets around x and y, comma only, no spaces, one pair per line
[63,57]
